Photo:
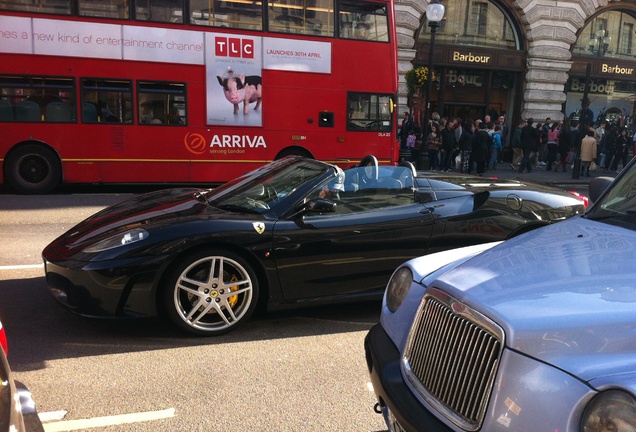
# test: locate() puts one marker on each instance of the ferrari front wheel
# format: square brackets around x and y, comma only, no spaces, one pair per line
[211,293]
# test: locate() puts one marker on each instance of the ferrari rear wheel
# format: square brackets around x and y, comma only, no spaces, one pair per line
[211,293]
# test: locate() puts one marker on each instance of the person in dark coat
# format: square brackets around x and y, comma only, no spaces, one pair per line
[530,137]
[479,152]
[449,144]
[621,149]
[610,149]
[465,144]
[563,148]
[405,130]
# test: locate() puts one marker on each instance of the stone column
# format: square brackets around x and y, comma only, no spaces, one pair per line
[551,32]
[408,14]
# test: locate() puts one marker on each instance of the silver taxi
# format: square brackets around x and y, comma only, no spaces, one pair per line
[537,333]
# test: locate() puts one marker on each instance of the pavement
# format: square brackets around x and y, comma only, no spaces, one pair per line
[540,174]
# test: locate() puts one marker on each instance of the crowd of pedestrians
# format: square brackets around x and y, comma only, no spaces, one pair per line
[557,145]
[475,147]
[455,144]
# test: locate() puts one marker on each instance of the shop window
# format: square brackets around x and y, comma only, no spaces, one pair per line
[478,22]
[106,101]
[626,38]
[363,20]
[37,99]
[162,103]
[159,11]
[610,34]
[473,23]
[240,14]
[369,112]
[61,7]
[104,9]
[610,100]
[309,17]
[601,24]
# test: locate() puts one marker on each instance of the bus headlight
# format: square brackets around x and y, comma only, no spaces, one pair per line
[613,410]
[131,236]
[398,287]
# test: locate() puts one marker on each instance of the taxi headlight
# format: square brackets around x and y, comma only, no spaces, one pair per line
[131,236]
[613,410]
[398,287]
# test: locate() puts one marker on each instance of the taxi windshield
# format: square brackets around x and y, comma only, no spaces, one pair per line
[620,201]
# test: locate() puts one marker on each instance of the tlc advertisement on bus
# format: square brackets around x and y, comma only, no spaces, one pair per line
[234,63]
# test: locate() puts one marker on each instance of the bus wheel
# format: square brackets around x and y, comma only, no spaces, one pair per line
[293,151]
[33,169]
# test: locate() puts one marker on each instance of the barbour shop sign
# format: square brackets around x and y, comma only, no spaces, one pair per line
[470,58]
[616,69]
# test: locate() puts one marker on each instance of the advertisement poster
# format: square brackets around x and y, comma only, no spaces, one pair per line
[95,40]
[297,55]
[234,63]
[234,67]
[16,35]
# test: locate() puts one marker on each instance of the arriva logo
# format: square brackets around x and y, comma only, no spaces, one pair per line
[195,143]
[238,141]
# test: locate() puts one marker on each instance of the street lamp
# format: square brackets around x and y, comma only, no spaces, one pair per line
[601,42]
[434,14]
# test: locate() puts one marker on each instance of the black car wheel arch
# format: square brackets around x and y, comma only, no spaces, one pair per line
[210,292]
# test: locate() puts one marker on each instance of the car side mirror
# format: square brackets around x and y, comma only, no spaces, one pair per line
[597,186]
[319,205]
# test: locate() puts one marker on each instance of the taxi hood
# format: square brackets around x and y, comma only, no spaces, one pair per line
[564,294]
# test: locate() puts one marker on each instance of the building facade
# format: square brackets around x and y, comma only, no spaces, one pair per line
[522,59]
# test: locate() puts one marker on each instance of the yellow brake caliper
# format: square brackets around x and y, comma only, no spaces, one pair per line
[234,299]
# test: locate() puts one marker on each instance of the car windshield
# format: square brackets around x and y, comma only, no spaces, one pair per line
[261,189]
[619,204]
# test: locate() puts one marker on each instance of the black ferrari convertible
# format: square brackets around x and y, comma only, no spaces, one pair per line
[295,232]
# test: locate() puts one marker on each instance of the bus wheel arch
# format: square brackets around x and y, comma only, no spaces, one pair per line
[32,167]
[294,151]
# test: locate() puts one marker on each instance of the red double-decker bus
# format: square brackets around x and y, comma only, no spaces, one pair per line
[190,91]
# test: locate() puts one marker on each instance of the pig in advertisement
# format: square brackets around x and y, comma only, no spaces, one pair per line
[241,88]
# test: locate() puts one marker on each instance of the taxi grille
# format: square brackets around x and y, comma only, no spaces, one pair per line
[452,358]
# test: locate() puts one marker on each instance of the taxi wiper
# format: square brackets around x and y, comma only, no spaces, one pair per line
[622,215]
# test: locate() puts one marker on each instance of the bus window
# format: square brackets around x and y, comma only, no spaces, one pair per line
[243,14]
[363,20]
[314,18]
[369,112]
[104,9]
[61,7]
[159,11]
[106,101]
[37,99]
[162,103]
